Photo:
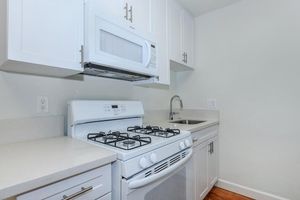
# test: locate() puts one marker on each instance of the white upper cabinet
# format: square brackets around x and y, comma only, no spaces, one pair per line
[180,37]
[174,31]
[159,31]
[113,10]
[134,15]
[188,38]
[44,37]
[139,15]
[159,28]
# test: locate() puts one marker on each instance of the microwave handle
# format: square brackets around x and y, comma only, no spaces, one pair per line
[149,54]
[142,182]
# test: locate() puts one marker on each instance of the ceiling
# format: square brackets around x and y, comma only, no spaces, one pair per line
[198,7]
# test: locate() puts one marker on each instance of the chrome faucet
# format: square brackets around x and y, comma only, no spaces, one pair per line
[171,115]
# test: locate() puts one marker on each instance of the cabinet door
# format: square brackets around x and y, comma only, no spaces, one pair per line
[139,15]
[188,37]
[112,10]
[213,162]
[46,33]
[159,28]
[174,31]
[200,170]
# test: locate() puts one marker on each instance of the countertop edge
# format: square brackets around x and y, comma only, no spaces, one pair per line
[199,128]
[20,188]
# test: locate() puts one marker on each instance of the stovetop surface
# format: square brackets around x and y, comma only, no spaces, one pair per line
[121,140]
[127,144]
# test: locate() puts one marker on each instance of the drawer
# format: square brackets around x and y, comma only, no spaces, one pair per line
[106,197]
[204,135]
[89,185]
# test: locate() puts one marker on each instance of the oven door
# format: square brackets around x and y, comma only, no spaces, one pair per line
[169,180]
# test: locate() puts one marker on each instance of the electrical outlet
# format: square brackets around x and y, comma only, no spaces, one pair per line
[42,104]
[212,104]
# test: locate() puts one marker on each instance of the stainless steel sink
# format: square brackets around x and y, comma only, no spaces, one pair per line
[188,122]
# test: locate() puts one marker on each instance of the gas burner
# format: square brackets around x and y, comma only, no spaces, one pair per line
[142,130]
[128,142]
[119,140]
[154,131]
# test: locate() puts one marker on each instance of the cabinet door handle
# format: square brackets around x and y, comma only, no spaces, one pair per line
[212,147]
[195,140]
[131,14]
[82,56]
[79,193]
[186,58]
[126,11]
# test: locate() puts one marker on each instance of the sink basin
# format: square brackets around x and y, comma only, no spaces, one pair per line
[188,122]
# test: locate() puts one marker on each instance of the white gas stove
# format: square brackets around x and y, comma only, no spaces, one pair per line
[146,154]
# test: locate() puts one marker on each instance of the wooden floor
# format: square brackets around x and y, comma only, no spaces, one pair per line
[220,194]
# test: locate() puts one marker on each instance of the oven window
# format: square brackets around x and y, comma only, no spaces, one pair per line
[174,188]
[120,47]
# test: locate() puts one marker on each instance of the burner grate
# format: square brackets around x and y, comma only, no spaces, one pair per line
[119,140]
[155,131]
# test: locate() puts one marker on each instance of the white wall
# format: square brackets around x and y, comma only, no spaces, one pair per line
[19,94]
[248,58]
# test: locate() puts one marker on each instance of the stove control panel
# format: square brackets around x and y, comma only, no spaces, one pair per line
[115,109]
[147,159]
[153,158]
[181,146]
[144,163]
[187,143]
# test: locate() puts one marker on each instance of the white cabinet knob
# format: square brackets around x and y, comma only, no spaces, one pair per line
[143,163]
[181,145]
[187,143]
[153,158]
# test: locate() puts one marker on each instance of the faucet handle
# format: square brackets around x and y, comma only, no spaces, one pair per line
[172,114]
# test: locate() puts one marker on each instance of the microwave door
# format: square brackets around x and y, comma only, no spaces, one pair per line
[116,47]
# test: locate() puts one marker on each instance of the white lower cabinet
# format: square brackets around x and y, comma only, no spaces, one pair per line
[212,162]
[200,168]
[91,185]
[106,197]
[205,161]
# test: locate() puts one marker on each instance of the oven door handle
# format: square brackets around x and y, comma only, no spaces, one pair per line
[145,181]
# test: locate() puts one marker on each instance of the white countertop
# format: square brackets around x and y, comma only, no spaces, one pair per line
[191,127]
[28,165]
[196,127]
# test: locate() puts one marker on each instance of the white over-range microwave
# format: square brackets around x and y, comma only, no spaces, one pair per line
[114,51]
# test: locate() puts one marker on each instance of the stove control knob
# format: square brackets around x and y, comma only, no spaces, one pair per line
[153,158]
[181,145]
[187,143]
[143,163]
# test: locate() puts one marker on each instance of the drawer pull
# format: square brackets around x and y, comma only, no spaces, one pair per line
[81,192]
[195,140]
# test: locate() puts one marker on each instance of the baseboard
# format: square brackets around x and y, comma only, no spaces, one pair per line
[246,191]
